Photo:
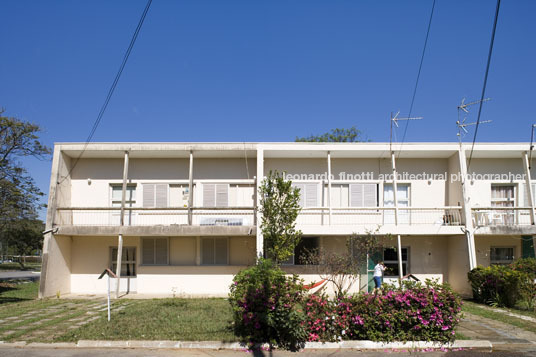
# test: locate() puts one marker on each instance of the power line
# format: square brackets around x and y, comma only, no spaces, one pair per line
[112,87]
[418,74]
[485,79]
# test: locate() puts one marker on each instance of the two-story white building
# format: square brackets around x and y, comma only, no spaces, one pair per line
[185,214]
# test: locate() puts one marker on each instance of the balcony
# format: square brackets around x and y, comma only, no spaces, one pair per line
[501,216]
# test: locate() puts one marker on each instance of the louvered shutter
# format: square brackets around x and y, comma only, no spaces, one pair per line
[356,195]
[209,193]
[207,249]
[301,187]
[370,195]
[220,251]
[147,251]
[161,195]
[222,195]
[161,251]
[148,195]
[311,195]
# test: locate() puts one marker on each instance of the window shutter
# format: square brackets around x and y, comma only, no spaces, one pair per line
[369,195]
[161,195]
[161,251]
[209,193]
[311,195]
[220,248]
[148,195]
[356,195]
[148,251]
[301,187]
[222,195]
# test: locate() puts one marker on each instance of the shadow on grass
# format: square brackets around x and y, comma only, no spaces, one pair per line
[17,291]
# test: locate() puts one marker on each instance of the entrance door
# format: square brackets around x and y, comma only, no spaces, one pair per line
[371,262]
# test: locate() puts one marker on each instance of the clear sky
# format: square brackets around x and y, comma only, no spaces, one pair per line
[263,70]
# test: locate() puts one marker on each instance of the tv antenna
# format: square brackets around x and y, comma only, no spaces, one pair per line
[462,125]
[394,120]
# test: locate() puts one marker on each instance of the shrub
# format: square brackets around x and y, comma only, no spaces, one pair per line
[267,307]
[417,312]
[526,265]
[500,285]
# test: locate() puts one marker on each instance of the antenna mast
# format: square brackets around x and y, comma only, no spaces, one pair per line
[394,120]
[463,107]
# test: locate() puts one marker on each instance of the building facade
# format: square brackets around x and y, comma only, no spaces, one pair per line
[185,217]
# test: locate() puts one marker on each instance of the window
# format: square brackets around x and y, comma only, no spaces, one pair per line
[502,196]
[307,245]
[117,193]
[390,259]
[155,195]
[308,194]
[154,251]
[215,195]
[128,261]
[363,195]
[214,251]
[501,255]
[402,196]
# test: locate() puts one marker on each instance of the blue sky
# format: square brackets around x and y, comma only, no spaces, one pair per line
[263,70]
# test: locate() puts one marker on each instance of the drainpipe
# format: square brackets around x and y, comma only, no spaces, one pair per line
[258,182]
[469,230]
[398,239]
[329,187]
[121,224]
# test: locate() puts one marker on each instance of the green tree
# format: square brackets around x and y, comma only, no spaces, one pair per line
[337,135]
[279,207]
[24,236]
[19,196]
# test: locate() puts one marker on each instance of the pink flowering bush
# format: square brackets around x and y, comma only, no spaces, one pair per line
[267,307]
[417,312]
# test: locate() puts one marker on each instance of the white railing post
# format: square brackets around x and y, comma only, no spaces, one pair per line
[468,217]
[260,175]
[329,188]
[398,239]
[121,223]
[190,188]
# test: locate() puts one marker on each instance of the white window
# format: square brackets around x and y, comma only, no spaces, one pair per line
[215,195]
[363,195]
[214,251]
[308,194]
[501,255]
[390,260]
[502,195]
[117,195]
[155,195]
[154,251]
[402,196]
[128,261]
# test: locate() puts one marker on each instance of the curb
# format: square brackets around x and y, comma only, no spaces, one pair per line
[479,345]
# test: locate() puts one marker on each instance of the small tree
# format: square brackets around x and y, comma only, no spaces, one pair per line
[343,269]
[24,236]
[279,207]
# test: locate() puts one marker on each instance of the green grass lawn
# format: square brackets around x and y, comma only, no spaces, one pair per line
[161,319]
[16,266]
[485,311]
[11,292]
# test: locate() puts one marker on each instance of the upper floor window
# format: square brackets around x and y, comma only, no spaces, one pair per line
[308,194]
[155,195]
[363,195]
[215,195]
[117,195]
[502,195]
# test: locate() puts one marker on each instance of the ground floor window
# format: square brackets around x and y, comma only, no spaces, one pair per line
[154,251]
[390,259]
[214,251]
[306,247]
[128,261]
[501,255]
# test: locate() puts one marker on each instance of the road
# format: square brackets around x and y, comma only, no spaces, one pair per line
[23,275]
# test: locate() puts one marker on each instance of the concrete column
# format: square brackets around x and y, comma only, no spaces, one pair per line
[191,188]
[398,239]
[260,177]
[528,185]
[467,213]
[51,212]
[329,187]
[121,223]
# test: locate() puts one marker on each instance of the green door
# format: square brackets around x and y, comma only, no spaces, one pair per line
[527,247]
[372,258]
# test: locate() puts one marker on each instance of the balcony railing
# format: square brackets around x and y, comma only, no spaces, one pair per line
[442,216]
[135,216]
[501,216]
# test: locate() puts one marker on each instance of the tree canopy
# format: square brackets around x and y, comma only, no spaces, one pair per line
[337,135]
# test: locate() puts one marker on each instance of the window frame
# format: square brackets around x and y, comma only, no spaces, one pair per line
[201,262]
[127,202]
[154,257]
[292,260]
[502,200]
[406,262]
[215,184]
[144,184]
[303,194]
[113,260]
